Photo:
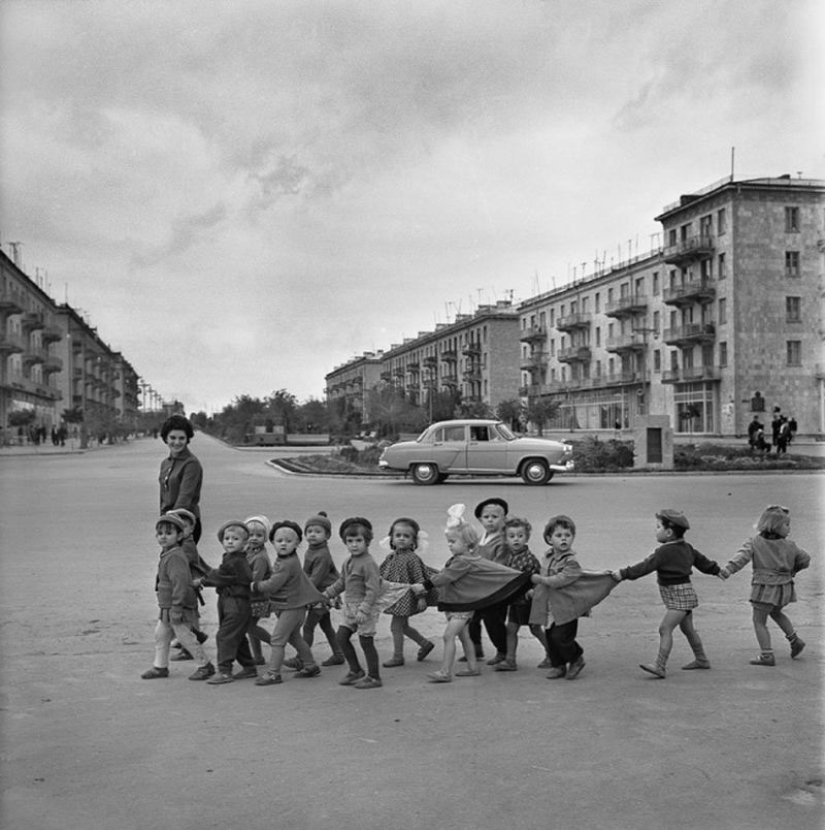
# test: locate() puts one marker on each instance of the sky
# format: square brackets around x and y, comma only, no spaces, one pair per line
[242,195]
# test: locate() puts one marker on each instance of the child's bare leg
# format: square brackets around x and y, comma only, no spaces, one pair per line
[512,642]
[701,659]
[450,633]
[397,630]
[783,622]
[760,627]
[469,648]
[670,620]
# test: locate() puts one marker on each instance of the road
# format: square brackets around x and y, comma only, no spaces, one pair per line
[86,743]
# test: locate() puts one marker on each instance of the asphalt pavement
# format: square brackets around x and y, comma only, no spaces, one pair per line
[87,743]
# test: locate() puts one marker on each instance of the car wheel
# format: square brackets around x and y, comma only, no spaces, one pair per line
[535,471]
[425,474]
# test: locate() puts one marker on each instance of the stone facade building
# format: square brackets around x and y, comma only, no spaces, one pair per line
[722,323]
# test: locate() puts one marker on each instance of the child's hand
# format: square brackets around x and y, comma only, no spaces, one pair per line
[417,588]
[360,617]
[422,603]
[197,583]
[536,579]
[723,574]
[529,594]
[616,575]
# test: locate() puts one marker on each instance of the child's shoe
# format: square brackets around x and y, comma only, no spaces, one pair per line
[368,683]
[183,654]
[575,668]
[351,678]
[220,679]
[269,678]
[203,672]
[796,646]
[201,636]
[259,661]
[308,671]
[557,672]
[246,672]
[506,665]
[468,672]
[155,672]
[545,664]
[294,663]
[393,662]
[653,669]
[426,647]
[335,660]
[697,664]
[499,658]
[439,676]
[764,660]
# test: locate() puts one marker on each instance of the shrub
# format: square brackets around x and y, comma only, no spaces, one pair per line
[593,455]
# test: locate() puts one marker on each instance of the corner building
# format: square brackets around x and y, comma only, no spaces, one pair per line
[722,323]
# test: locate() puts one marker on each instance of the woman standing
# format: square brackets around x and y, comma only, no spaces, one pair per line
[181,474]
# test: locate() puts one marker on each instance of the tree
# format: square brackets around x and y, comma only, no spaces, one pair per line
[312,416]
[21,417]
[281,406]
[511,412]
[540,411]
[473,409]
[392,413]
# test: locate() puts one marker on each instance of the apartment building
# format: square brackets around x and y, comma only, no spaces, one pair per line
[724,321]
[29,358]
[348,385]
[475,357]
[52,360]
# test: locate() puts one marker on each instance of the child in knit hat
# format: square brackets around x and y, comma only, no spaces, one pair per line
[261,563]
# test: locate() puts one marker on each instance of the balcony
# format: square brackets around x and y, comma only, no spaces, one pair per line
[51,365]
[413,366]
[575,354]
[577,320]
[449,355]
[449,381]
[532,333]
[11,342]
[11,302]
[690,334]
[386,376]
[630,377]
[399,372]
[51,334]
[696,291]
[625,343]
[626,306]
[31,321]
[431,362]
[692,249]
[537,360]
[34,355]
[471,349]
[472,373]
[691,374]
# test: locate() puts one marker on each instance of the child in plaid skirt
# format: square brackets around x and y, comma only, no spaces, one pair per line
[673,561]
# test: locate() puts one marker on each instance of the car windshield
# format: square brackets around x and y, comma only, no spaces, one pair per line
[504,432]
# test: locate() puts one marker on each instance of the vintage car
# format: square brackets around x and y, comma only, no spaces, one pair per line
[477,447]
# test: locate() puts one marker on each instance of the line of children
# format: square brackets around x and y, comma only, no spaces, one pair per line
[467,586]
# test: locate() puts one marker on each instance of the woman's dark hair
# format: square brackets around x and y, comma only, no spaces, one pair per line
[177,422]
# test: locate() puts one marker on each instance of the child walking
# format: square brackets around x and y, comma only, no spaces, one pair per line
[491,514]
[320,568]
[776,561]
[516,540]
[259,560]
[403,564]
[289,592]
[672,561]
[232,579]
[467,582]
[177,602]
[360,582]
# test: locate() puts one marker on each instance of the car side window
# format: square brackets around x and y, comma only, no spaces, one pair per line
[453,434]
[479,434]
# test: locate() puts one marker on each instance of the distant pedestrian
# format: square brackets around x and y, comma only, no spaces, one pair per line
[792,427]
[177,602]
[784,436]
[673,561]
[776,560]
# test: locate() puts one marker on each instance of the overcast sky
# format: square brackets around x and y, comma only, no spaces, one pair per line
[243,195]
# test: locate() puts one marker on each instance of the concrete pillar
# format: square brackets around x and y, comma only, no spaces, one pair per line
[653,437]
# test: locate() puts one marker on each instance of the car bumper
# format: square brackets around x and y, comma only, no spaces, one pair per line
[567,467]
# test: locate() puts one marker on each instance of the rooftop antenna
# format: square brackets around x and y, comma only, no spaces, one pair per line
[732,159]
[14,252]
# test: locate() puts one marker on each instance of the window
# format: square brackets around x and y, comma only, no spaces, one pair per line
[598,336]
[791,220]
[553,375]
[706,226]
[610,331]
[684,231]
[552,348]
[657,322]
[794,352]
[552,317]
[723,311]
[657,360]
[706,269]
[543,319]
[561,311]
[674,361]
[792,264]
[598,302]
[721,222]
[722,270]
[793,309]
[655,283]
[609,296]
[723,354]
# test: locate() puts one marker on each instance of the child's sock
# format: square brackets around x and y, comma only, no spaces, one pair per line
[371,656]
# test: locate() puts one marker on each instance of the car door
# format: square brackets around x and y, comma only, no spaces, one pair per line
[486,450]
[449,449]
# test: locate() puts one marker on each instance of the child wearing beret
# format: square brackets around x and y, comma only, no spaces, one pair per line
[177,602]
[673,561]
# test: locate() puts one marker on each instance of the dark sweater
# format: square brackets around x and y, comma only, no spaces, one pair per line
[672,562]
[232,577]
